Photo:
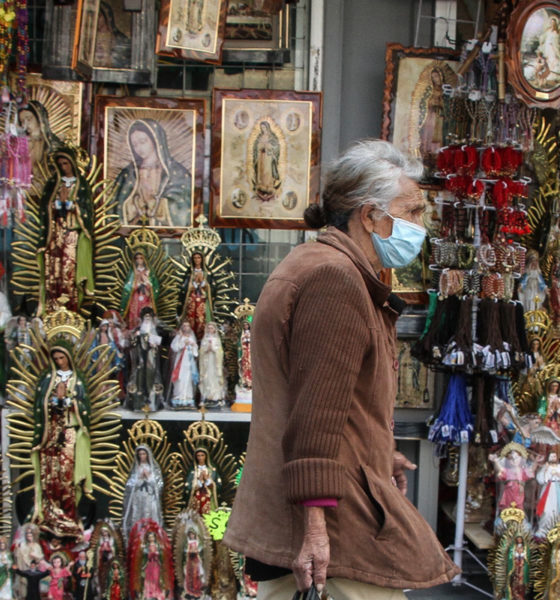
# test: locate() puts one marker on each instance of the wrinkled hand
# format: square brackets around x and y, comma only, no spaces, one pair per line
[310,565]
[400,463]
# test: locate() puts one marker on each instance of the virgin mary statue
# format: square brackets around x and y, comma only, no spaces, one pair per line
[143,491]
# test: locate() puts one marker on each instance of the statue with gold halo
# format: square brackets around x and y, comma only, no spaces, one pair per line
[207,288]
[146,472]
[146,278]
[64,253]
[510,561]
[209,468]
[64,400]
[547,567]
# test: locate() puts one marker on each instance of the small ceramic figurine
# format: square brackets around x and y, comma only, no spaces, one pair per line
[197,308]
[27,551]
[82,578]
[145,385]
[549,405]
[532,290]
[184,373]
[31,578]
[141,290]
[512,468]
[245,369]
[548,506]
[202,484]
[518,570]
[143,490]
[5,570]
[211,364]
[60,573]
[116,587]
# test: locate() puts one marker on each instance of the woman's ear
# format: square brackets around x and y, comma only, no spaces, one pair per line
[367,218]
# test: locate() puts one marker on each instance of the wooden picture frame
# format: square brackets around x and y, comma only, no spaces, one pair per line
[113,44]
[167,134]
[284,127]
[533,52]
[192,29]
[413,98]
[254,36]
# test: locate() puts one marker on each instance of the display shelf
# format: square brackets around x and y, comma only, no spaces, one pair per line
[187,415]
[474,532]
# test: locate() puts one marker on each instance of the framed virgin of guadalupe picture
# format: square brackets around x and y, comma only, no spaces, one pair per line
[414,99]
[153,151]
[192,29]
[265,157]
[51,117]
[533,52]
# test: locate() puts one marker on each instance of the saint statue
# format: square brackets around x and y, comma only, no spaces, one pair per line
[5,570]
[245,369]
[116,589]
[27,551]
[203,483]
[197,308]
[184,373]
[143,491]
[518,570]
[532,290]
[60,451]
[548,505]
[549,405]
[65,252]
[513,469]
[141,290]
[145,385]
[154,189]
[194,576]
[211,365]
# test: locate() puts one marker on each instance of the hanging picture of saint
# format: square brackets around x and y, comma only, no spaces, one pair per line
[153,154]
[268,152]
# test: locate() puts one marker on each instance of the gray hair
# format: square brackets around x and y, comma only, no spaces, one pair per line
[369,172]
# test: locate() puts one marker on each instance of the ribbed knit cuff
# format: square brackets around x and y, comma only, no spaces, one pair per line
[309,478]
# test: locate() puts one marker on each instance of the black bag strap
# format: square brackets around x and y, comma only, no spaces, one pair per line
[310,594]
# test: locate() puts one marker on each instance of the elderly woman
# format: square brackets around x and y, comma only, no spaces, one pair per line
[322,489]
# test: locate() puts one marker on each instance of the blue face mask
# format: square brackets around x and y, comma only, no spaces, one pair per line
[402,246]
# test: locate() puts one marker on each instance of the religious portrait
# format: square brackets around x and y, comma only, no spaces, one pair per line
[50,118]
[415,385]
[192,29]
[153,152]
[267,150]
[86,27]
[414,100]
[113,36]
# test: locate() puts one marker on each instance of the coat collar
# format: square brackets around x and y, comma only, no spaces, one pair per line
[379,292]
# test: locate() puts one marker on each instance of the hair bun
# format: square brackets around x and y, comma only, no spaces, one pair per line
[315,216]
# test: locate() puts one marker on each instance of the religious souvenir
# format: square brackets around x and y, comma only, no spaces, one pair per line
[247,587]
[60,573]
[145,383]
[548,505]
[532,290]
[192,552]
[211,365]
[245,369]
[106,547]
[31,578]
[18,334]
[147,478]
[154,151]
[146,279]
[27,551]
[184,371]
[65,414]
[149,557]
[549,405]
[82,574]
[547,568]
[230,334]
[209,469]
[197,307]
[50,117]
[207,287]
[513,468]
[265,153]
[5,570]
[64,254]
[510,560]
[116,583]
[143,491]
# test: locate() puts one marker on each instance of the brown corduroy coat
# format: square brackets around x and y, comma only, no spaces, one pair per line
[325,375]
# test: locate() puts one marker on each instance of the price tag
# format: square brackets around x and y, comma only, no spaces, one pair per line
[216,521]
[494,436]
[464,436]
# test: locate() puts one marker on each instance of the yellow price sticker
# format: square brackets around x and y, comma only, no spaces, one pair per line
[216,521]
